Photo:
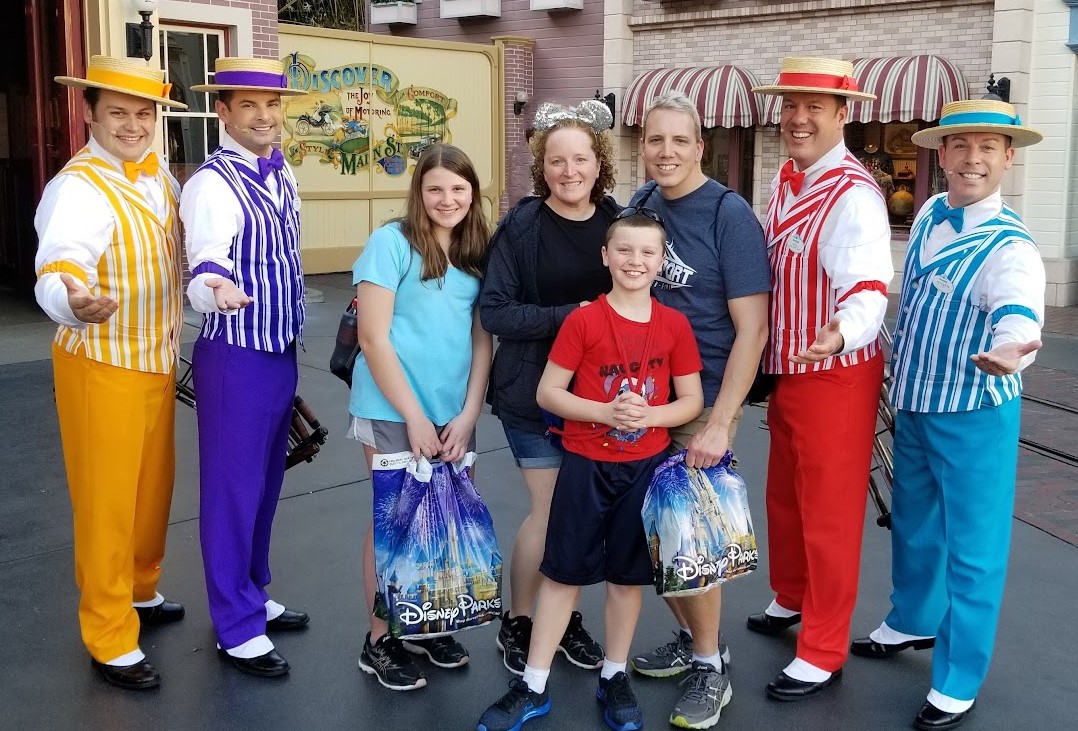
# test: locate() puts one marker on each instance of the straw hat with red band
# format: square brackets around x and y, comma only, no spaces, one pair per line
[249,74]
[816,76]
[978,115]
[125,77]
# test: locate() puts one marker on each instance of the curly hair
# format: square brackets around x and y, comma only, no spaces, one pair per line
[600,145]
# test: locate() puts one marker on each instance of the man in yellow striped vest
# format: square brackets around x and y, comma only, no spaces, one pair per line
[108,273]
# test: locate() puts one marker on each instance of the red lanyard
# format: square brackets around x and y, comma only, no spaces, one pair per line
[645,364]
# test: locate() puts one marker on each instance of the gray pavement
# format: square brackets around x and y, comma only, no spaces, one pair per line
[48,684]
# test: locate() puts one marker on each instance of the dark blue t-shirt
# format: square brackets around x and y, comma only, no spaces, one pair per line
[712,255]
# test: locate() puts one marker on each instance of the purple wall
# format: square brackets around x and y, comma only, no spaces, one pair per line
[568,44]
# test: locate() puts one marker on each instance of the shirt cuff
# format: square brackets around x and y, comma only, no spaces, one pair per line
[860,316]
[201,296]
[51,295]
[1017,328]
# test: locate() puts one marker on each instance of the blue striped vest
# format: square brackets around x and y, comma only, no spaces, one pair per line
[940,325]
[266,259]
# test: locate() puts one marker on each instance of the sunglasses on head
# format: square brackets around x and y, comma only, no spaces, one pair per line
[641,211]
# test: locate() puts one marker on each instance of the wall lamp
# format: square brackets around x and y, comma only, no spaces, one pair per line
[608,100]
[140,35]
[998,89]
[520,102]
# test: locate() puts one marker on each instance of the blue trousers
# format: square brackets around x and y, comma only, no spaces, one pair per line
[244,411]
[951,518]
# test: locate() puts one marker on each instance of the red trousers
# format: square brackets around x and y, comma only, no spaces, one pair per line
[822,425]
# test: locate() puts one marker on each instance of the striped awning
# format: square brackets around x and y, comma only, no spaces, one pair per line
[723,94]
[906,88]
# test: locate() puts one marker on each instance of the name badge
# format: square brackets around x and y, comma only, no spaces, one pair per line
[796,244]
[943,284]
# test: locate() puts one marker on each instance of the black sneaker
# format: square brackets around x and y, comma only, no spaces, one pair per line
[514,637]
[514,708]
[577,645]
[388,661]
[445,652]
[621,710]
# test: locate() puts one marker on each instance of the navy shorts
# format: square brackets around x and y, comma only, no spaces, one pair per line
[595,532]
[531,450]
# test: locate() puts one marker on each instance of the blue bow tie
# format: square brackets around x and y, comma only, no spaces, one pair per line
[941,213]
[274,162]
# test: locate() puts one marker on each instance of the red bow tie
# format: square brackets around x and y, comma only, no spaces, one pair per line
[795,179]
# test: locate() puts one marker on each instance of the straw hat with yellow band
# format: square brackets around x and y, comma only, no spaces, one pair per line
[978,115]
[125,77]
[249,74]
[816,76]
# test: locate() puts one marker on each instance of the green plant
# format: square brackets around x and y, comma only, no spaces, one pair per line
[340,14]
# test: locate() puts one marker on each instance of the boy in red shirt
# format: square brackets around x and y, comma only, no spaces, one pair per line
[609,377]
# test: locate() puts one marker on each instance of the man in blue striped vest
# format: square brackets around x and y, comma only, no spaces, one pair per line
[241,215]
[969,321]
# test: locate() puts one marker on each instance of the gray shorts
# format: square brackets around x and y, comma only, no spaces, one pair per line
[387,437]
[680,436]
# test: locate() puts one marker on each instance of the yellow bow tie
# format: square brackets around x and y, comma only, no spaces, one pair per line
[149,165]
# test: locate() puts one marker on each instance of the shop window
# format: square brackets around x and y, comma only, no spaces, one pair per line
[187,57]
[728,158]
[907,174]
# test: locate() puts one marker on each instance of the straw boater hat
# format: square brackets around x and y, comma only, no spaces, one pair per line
[816,75]
[249,74]
[978,115]
[126,77]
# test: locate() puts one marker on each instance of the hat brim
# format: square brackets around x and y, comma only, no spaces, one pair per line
[1020,136]
[213,88]
[84,84]
[860,96]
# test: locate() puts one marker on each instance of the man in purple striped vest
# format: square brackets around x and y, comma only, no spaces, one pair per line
[241,215]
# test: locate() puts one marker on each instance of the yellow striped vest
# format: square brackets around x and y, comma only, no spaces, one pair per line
[140,270]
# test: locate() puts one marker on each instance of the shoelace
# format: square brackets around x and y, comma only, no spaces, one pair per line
[671,648]
[698,685]
[619,693]
[518,693]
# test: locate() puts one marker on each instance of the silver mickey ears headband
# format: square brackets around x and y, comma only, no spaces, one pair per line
[591,112]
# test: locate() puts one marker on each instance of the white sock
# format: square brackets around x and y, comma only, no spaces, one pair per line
[714,661]
[535,678]
[806,672]
[687,631]
[777,610]
[611,668]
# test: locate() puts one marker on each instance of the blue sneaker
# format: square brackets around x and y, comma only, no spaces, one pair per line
[621,710]
[514,708]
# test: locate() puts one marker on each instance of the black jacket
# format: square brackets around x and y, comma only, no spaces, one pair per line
[509,308]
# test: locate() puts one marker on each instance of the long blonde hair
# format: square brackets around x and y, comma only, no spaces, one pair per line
[470,237]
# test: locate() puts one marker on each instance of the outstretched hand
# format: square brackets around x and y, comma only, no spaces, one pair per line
[227,295]
[1004,360]
[84,306]
[828,341]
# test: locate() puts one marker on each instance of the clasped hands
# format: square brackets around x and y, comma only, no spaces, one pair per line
[628,412]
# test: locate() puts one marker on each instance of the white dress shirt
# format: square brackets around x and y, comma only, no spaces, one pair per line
[75,223]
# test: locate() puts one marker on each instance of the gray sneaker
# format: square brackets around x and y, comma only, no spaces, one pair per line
[673,658]
[707,692]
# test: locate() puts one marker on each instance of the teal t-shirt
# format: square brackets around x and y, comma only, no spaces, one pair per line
[431,330]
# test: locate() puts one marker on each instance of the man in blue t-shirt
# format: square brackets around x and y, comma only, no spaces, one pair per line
[717,273]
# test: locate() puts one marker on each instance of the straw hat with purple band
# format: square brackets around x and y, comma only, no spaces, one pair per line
[125,77]
[249,74]
[978,115]
[816,76]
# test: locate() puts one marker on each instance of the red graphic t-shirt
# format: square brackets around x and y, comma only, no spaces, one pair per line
[591,343]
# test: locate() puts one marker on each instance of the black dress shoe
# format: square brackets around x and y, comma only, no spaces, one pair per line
[163,613]
[139,676]
[868,647]
[930,718]
[288,621]
[767,624]
[269,665]
[785,688]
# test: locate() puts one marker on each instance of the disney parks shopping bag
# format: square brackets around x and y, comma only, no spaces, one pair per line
[437,560]
[698,526]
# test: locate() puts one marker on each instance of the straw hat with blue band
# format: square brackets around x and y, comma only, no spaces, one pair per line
[816,76]
[249,74]
[978,115]
[125,77]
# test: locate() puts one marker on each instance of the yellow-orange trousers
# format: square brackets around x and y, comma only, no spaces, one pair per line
[117,427]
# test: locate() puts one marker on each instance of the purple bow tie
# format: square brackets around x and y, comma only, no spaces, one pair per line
[274,162]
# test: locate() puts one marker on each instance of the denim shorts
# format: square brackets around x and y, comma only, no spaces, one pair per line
[532,451]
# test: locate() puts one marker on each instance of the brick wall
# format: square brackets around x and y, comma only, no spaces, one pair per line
[519,78]
[263,25]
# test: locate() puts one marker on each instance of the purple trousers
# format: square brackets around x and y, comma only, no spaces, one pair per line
[244,409]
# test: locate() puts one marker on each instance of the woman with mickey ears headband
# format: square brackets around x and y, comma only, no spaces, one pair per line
[544,262]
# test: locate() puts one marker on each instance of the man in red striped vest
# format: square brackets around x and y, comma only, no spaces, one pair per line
[829,246]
